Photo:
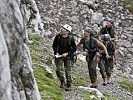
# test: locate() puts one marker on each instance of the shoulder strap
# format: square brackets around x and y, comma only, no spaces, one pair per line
[70,39]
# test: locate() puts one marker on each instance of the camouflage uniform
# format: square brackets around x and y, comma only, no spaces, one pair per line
[63,45]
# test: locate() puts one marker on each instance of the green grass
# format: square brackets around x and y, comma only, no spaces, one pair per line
[47,85]
[109,97]
[129,4]
[125,83]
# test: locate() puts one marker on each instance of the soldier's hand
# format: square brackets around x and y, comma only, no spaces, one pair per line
[101,51]
[65,54]
[107,56]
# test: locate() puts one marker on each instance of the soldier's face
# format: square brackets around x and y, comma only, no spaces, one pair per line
[106,42]
[86,34]
[64,31]
[106,24]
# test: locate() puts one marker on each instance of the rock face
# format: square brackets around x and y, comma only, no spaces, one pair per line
[83,13]
[33,16]
[17,81]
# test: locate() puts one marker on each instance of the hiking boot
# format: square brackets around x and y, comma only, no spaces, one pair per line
[68,89]
[94,85]
[62,84]
[105,82]
[108,80]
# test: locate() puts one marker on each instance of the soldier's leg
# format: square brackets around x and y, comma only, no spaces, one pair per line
[67,66]
[59,69]
[92,72]
[102,70]
[109,68]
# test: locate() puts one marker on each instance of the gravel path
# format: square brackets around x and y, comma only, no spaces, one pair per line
[112,90]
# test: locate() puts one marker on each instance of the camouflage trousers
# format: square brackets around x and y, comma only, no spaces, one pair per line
[63,65]
[92,69]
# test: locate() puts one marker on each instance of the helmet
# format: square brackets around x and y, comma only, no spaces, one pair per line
[89,30]
[106,37]
[68,27]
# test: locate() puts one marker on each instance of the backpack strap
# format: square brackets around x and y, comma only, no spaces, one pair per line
[70,39]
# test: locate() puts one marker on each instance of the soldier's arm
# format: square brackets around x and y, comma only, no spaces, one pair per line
[114,54]
[80,45]
[73,45]
[100,44]
[114,37]
[55,45]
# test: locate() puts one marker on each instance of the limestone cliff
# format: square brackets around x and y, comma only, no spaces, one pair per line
[17,80]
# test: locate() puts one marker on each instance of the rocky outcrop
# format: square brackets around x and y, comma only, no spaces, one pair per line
[17,81]
[93,90]
[34,24]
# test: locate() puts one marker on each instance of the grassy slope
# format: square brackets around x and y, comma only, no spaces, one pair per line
[125,83]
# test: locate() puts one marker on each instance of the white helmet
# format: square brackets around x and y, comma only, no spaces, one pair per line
[67,27]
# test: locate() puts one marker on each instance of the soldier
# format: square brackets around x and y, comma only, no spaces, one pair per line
[112,56]
[108,29]
[91,45]
[64,46]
